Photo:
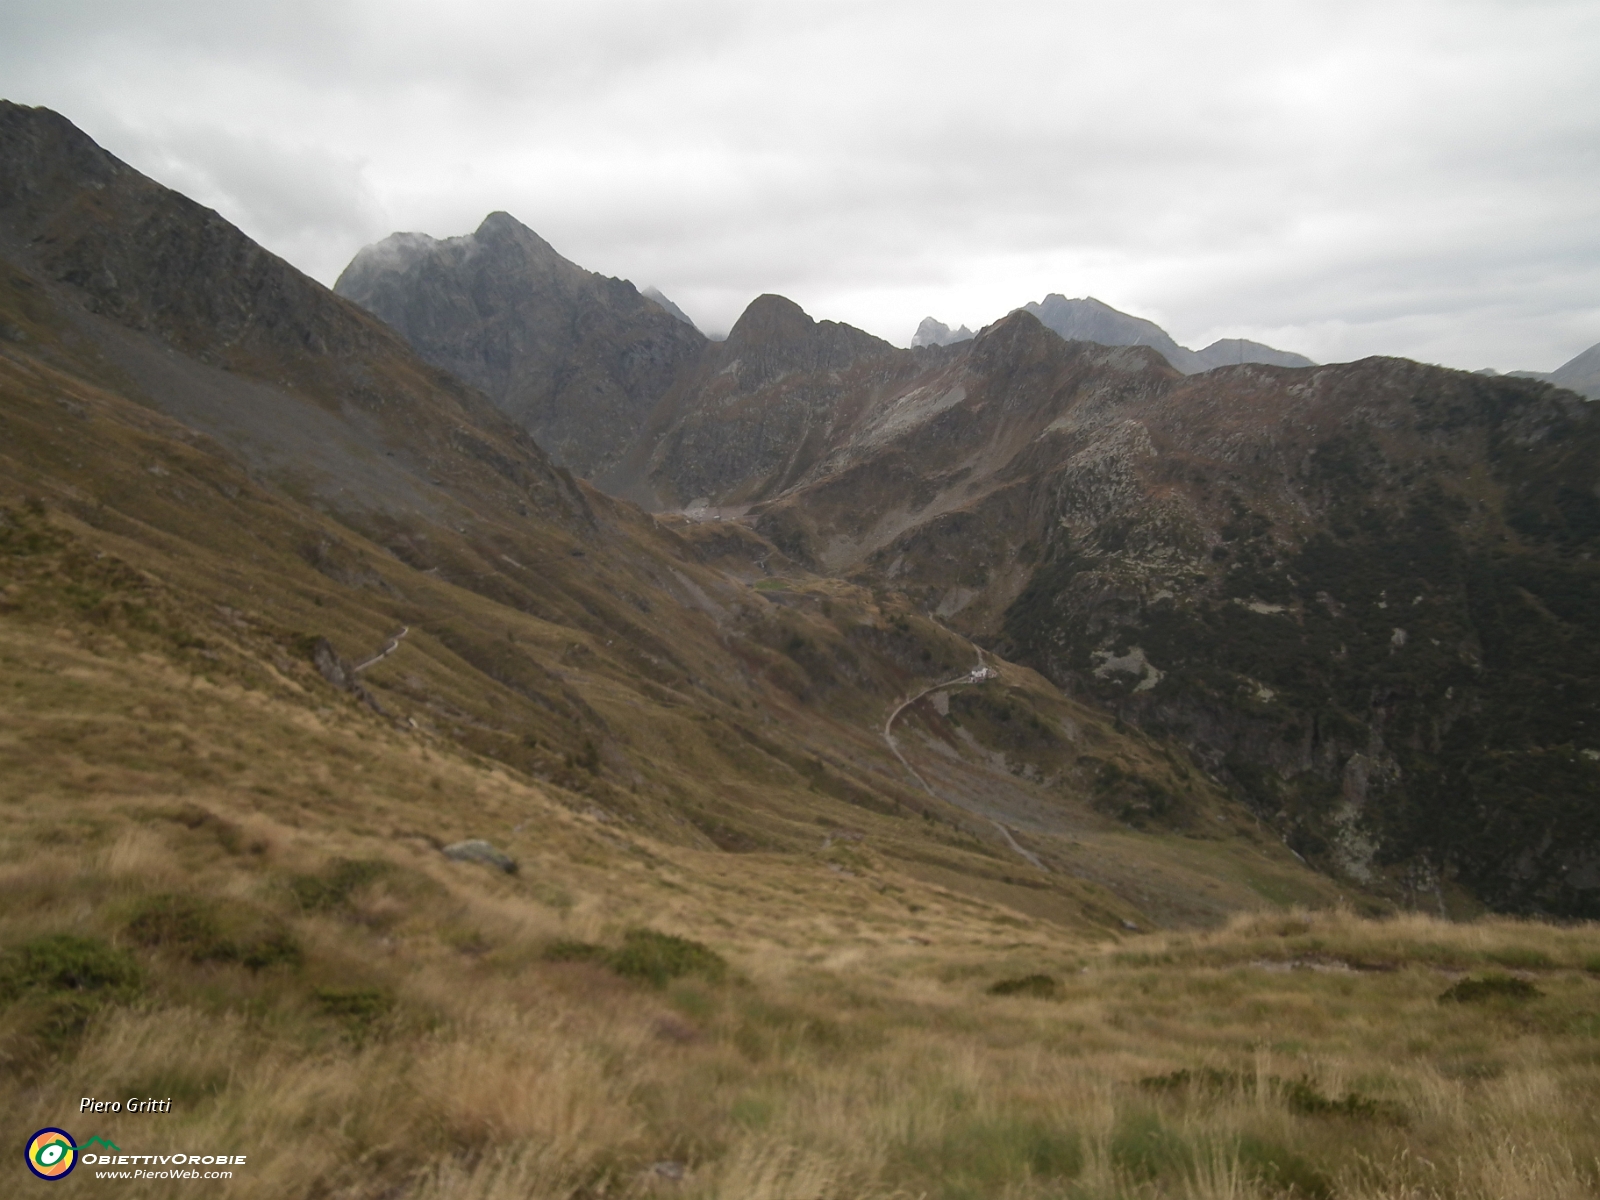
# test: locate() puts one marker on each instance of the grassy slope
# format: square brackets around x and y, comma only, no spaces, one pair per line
[413,1039]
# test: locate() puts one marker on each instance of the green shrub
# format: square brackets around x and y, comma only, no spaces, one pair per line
[278,948]
[980,1158]
[66,962]
[1143,1147]
[60,981]
[1303,1097]
[1208,1079]
[181,923]
[332,889]
[1490,987]
[360,1009]
[197,929]
[570,951]
[1044,987]
[1282,1170]
[655,958]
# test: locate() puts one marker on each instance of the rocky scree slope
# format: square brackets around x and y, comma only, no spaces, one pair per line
[575,358]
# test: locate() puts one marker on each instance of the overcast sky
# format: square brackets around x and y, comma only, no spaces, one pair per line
[1415,177]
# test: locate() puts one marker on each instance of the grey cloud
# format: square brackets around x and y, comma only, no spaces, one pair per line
[1416,176]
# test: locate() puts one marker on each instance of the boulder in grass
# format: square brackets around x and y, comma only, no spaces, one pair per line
[479,851]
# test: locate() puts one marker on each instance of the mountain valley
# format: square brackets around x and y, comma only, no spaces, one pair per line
[466,733]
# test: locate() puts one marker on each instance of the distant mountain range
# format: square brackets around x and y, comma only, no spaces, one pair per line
[967,662]
[1090,320]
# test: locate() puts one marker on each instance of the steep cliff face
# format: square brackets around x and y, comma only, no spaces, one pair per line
[577,359]
[1367,596]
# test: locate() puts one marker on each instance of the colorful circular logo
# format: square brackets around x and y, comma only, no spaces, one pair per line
[52,1154]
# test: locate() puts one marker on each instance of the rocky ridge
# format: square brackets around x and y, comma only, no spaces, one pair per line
[937,333]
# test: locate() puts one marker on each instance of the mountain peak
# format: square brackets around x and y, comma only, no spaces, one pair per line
[771,318]
[655,294]
[937,333]
[501,230]
[44,154]
[574,357]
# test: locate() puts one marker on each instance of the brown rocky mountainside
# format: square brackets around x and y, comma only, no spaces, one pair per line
[1366,595]
[577,359]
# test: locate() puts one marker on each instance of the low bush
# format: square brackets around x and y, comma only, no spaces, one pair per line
[1198,1078]
[360,1010]
[333,887]
[564,951]
[655,958]
[1281,1169]
[1490,987]
[202,931]
[66,962]
[645,956]
[58,983]
[1302,1096]
[1044,987]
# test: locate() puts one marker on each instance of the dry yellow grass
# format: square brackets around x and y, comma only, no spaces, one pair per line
[853,1051]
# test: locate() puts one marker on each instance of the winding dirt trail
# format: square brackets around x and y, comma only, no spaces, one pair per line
[393,645]
[972,677]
